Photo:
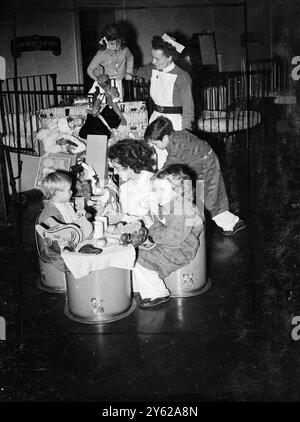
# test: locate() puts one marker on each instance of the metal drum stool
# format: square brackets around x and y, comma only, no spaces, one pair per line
[190,280]
[51,279]
[100,297]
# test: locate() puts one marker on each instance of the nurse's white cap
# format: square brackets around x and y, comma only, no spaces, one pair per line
[179,47]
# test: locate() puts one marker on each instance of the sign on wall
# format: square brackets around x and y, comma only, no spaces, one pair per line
[36,42]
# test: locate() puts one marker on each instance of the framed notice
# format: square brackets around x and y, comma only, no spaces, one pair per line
[208,49]
[203,51]
[50,163]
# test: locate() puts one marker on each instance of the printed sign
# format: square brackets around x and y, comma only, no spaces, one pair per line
[36,42]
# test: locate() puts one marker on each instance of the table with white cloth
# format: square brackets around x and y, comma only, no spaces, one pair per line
[99,286]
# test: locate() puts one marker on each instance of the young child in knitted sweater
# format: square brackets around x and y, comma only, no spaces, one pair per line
[59,211]
[175,235]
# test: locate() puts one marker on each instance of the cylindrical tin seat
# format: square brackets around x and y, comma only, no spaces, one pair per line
[190,280]
[100,297]
[51,279]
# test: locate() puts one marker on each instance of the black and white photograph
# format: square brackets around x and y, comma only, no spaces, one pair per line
[149,204]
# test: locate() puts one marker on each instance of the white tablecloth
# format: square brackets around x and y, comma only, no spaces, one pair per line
[116,256]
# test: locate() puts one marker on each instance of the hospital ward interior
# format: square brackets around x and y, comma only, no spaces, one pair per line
[149,209]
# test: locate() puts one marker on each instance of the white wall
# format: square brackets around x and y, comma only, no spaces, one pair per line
[29,171]
[60,23]
[226,22]
[157,21]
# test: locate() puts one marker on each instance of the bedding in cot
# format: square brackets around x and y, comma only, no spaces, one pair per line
[135,113]
[28,130]
[219,121]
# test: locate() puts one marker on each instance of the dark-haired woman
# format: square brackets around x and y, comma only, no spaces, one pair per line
[134,162]
[171,86]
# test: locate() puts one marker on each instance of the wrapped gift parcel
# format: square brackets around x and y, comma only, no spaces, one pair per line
[135,113]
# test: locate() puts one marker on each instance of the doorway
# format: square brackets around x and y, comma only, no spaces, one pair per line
[92,23]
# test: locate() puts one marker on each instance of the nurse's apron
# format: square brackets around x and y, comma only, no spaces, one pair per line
[161,92]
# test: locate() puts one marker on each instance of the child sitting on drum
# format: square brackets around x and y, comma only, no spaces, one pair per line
[59,212]
[175,234]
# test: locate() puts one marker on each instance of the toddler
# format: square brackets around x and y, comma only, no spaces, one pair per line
[58,211]
[175,235]
[114,56]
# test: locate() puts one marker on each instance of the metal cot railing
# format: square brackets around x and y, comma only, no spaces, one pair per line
[230,101]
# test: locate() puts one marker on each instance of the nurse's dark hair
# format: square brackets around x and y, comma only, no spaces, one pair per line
[159,44]
[134,154]
[158,129]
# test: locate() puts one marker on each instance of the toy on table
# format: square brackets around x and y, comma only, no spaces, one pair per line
[104,193]
[60,237]
[90,249]
[133,233]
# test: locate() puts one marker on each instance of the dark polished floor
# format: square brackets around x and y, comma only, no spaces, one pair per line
[233,343]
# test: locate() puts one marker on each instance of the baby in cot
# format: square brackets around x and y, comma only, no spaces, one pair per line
[58,220]
[61,136]
[174,235]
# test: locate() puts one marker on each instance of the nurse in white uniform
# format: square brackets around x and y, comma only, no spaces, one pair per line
[171,86]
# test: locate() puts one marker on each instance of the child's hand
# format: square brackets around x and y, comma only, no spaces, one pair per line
[148,244]
[150,201]
[61,141]
[147,221]
[99,188]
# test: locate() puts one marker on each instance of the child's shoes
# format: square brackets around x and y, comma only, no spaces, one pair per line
[150,303]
